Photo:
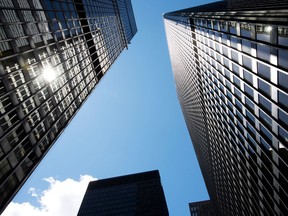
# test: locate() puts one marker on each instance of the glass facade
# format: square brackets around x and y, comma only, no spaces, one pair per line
[52,55]
[230,73]
[203,208]
[132,195]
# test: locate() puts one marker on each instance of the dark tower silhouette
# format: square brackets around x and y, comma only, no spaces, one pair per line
[138,194]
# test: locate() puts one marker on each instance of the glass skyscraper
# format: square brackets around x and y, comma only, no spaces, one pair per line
[52,55]
[138,194]
[230,64]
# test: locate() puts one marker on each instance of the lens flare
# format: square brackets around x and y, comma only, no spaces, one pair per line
[48,73]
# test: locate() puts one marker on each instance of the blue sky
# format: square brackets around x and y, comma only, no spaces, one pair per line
[132,122]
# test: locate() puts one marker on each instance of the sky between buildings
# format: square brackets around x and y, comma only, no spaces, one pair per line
[131,123]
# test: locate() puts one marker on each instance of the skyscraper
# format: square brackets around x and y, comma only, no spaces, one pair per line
[138,194]
[52,55]
[202,208]
[230,66]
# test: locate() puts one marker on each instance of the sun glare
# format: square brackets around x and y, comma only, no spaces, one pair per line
[48,73]
[268,28]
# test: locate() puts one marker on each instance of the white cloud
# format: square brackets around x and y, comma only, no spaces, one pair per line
[61,198]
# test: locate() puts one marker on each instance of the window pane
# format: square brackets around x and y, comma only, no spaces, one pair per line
[246,46]
[283,36]
[248,90]
[263,32]
[283,99]
[263,52]
[282,55]
[247,62]
[283,80]
[267,120]
[234,42]
[265,104]
[283,117]
[248,77]
[232,27]
[264,88]
[263,71]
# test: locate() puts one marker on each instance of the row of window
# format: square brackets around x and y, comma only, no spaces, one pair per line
[216,40]
[263,32]
[262,86]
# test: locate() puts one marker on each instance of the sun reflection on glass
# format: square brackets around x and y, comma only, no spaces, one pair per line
[268,28]
[48,73]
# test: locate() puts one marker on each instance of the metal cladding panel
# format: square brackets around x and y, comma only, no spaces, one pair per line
[231,72]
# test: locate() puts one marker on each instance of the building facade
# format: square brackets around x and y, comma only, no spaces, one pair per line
[202,208]
[138,194]
[52,55]
[231,72]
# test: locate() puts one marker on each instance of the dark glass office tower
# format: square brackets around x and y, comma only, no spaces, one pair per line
[231,71]
[52,55]
[202,208]
[138,194]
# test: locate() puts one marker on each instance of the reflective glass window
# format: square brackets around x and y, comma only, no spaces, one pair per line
[283,58]
[247,62]
[264,117]
[245,29]
[283,117]
[263,52]
[237,93]
[223,26]
[235,69]
[266,133]
[283,80]
[283,135]
[263,32]
[232,27]
[236,81]
[234,55]
[250,104]
[250,117]
[249,91]
[234,42]
[265,104]
[246,46]
[283,99]
[264,87]
[248,77]
[263,71]
[283,36]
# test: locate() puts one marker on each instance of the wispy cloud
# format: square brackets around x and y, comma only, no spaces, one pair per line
[61,198]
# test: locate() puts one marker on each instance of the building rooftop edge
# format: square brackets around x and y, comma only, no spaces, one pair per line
[125,179]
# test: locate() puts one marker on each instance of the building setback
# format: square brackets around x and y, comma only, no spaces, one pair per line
[52,55]
[203,208]
[230,66]
[138,194]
